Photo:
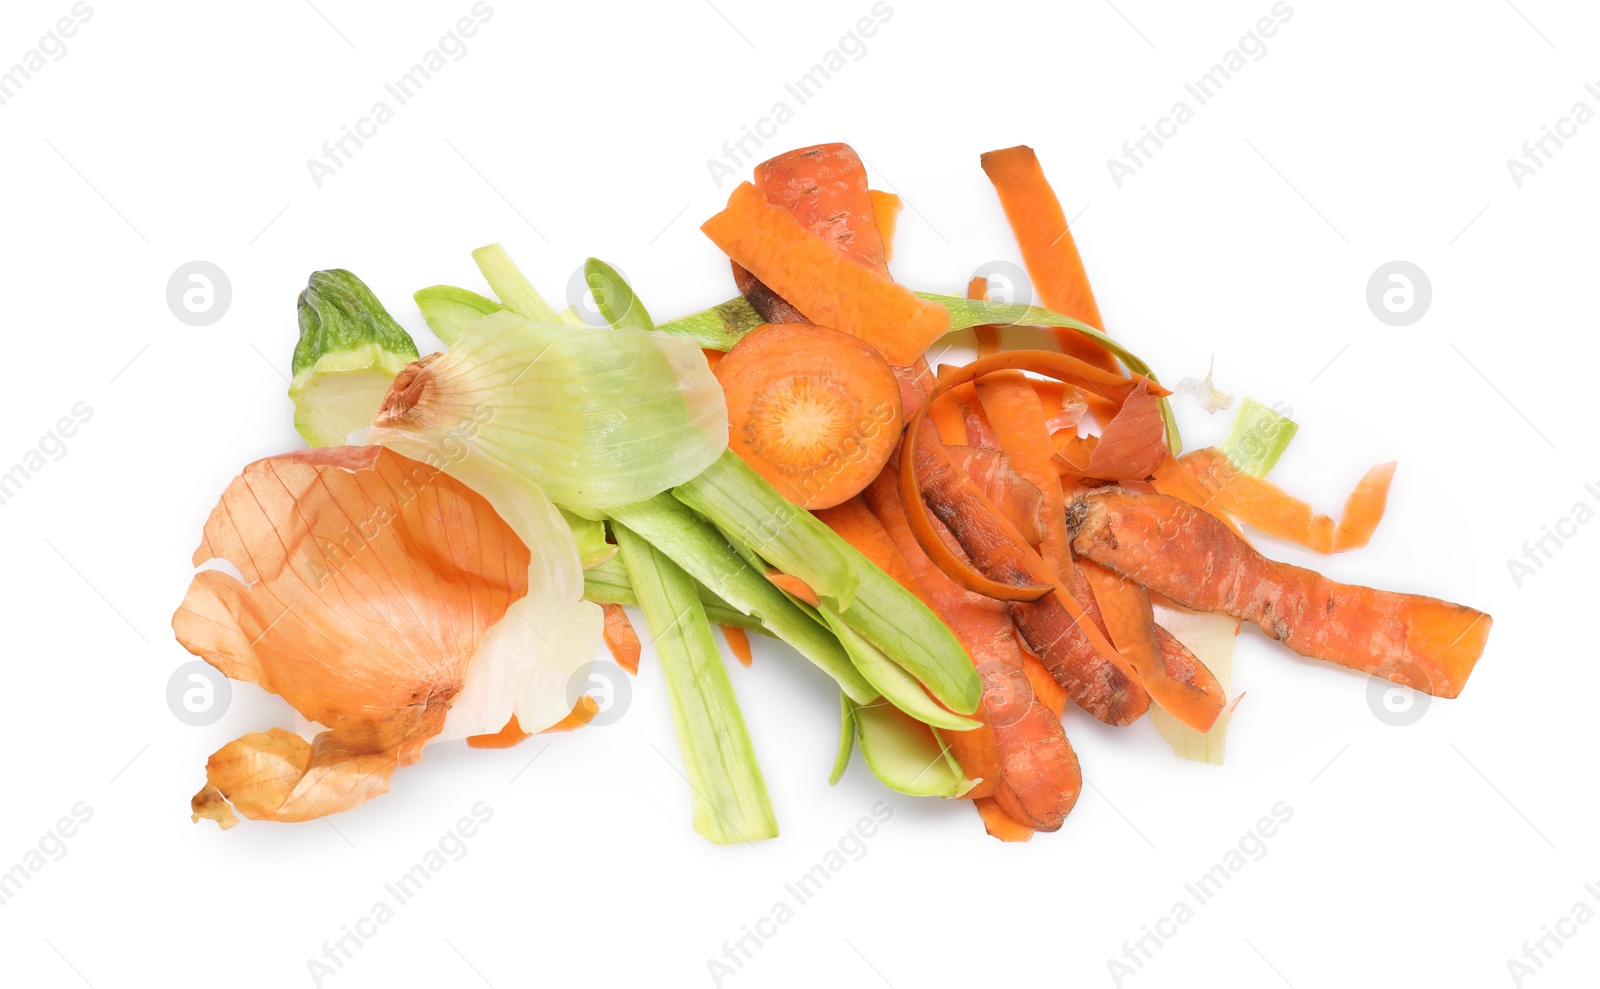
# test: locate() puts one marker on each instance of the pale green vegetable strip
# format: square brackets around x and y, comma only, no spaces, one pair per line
[615,298]
[515,292]
[1256,440]
[730,797]
[591,537]
[607,583]
[719,327]
[906,754]
[752,512]
[743,505]
[452,311]
[847,740]
[696,546]
[967,313]
[891,680]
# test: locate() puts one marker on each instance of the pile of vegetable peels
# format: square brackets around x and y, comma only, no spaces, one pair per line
[962,550]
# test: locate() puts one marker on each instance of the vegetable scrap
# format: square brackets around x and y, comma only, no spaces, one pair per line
[964,552]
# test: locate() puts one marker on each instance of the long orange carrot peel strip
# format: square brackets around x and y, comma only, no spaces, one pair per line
[1173,548]
[830,288]
[1048,250]
[988,334]
[1266,507]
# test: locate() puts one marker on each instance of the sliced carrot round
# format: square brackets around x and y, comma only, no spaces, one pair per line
[815,411]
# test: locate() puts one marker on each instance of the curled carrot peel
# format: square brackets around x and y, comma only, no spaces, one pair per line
[1069,644]
[1061,367]
[999,824]
[886,208]
[1019,499]
[621,638]
[1175,549]
[1266,507]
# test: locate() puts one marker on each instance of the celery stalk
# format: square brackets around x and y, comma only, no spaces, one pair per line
[891,680]
[515,292]
[847,740]
[743,505]
[1256,440]
[719,327]
[730,797]
[607,583]
[451,312]
[615,298]
[696,546]
[906,755]
[591,537]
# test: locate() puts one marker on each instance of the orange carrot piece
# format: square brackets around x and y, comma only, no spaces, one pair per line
[856,524]
[582,713]
[1051,694]
[949,414]
[1133,443]
[829,287]
[512,734]
[621,639]
[814,411]
[916,381]
[738,644]
[825,188]
[1036,771]
[988,335]
[1174,480]
[1175,549]
[712,357]
[886,211]
[999,824]
[1263,505]
[1048,250]
[794,585]
[1019,499]
[1363,510]
[1018,418]
[1178,682]
[1077,653]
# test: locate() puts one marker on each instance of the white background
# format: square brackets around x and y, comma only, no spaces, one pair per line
[1423,855]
